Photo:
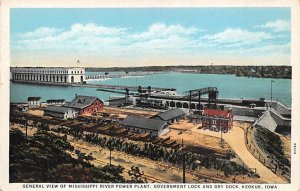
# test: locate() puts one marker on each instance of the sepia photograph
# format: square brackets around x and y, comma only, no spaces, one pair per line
[150,98]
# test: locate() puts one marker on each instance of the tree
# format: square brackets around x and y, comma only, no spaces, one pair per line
[136,175]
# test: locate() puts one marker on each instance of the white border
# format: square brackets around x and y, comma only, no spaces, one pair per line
[5,60]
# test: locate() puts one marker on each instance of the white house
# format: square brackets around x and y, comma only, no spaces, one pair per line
[34,102]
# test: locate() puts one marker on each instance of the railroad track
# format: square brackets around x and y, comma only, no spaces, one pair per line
[153,179]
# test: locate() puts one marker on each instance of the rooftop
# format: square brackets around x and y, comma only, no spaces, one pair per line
[55,100]
[81,101]
[215,112]
[58,109]
[170,114]
[33,98]
[145,123]
[271,120]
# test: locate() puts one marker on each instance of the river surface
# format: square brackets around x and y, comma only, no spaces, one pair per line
[229,86]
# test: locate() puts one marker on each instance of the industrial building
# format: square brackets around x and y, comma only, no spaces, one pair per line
[60,112]
[274,122]
[194,118]
[155,127]
[48,74]
[86,104]
[56,102]
[170,116]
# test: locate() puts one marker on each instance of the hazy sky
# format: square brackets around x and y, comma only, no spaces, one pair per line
[150,36]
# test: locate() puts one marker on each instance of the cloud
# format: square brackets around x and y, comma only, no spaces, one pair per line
[235,37]
[159,30]
[159,39]
[269,49]
[102,39]
[40,32]
[277,26]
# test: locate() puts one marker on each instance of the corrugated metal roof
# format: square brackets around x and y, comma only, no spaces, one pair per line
[33,98]
[58,109]
[194,116]
[171,114]
[145,123]
[55,100]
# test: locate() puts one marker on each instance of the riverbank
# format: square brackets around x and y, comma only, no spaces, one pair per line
[279,72]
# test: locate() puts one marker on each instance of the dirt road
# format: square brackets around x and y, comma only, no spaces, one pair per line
[155,171]
[235,139]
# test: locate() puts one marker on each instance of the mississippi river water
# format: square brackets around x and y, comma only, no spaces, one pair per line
[229,86]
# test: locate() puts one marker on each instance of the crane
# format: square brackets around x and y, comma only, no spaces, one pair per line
[212,95]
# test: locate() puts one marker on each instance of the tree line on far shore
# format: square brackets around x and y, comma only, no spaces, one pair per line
[245,71]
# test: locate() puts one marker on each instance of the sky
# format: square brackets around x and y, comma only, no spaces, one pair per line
[110,37]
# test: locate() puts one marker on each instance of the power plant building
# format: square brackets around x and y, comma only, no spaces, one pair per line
[48,74]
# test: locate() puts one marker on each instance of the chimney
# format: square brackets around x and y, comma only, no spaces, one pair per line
[75,95]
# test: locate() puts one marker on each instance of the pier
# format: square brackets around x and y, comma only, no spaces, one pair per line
[102,77]
[100,86]
[108,76]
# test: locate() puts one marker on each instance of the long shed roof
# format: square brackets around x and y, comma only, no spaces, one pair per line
[144,123]
[33,98]
[170,114]
[58,109]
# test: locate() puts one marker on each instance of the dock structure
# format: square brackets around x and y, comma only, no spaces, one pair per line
[118,75]
[104,76]
[99,86]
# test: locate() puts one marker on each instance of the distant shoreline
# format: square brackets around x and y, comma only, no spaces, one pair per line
[280,72]
[277,72]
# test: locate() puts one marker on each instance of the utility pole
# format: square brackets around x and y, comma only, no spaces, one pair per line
[126,94]
[110,154]
[199,100]
[26,128]
[271,90]
[221,135]
[190,100]
[25,125]
[183,163]
[272,81]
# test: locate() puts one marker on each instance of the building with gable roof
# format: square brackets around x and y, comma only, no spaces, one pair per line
[86,104]
[155,127]
[217,120]
[171,116]
[60,112]
[56,102]
[34,102]
[274,122]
